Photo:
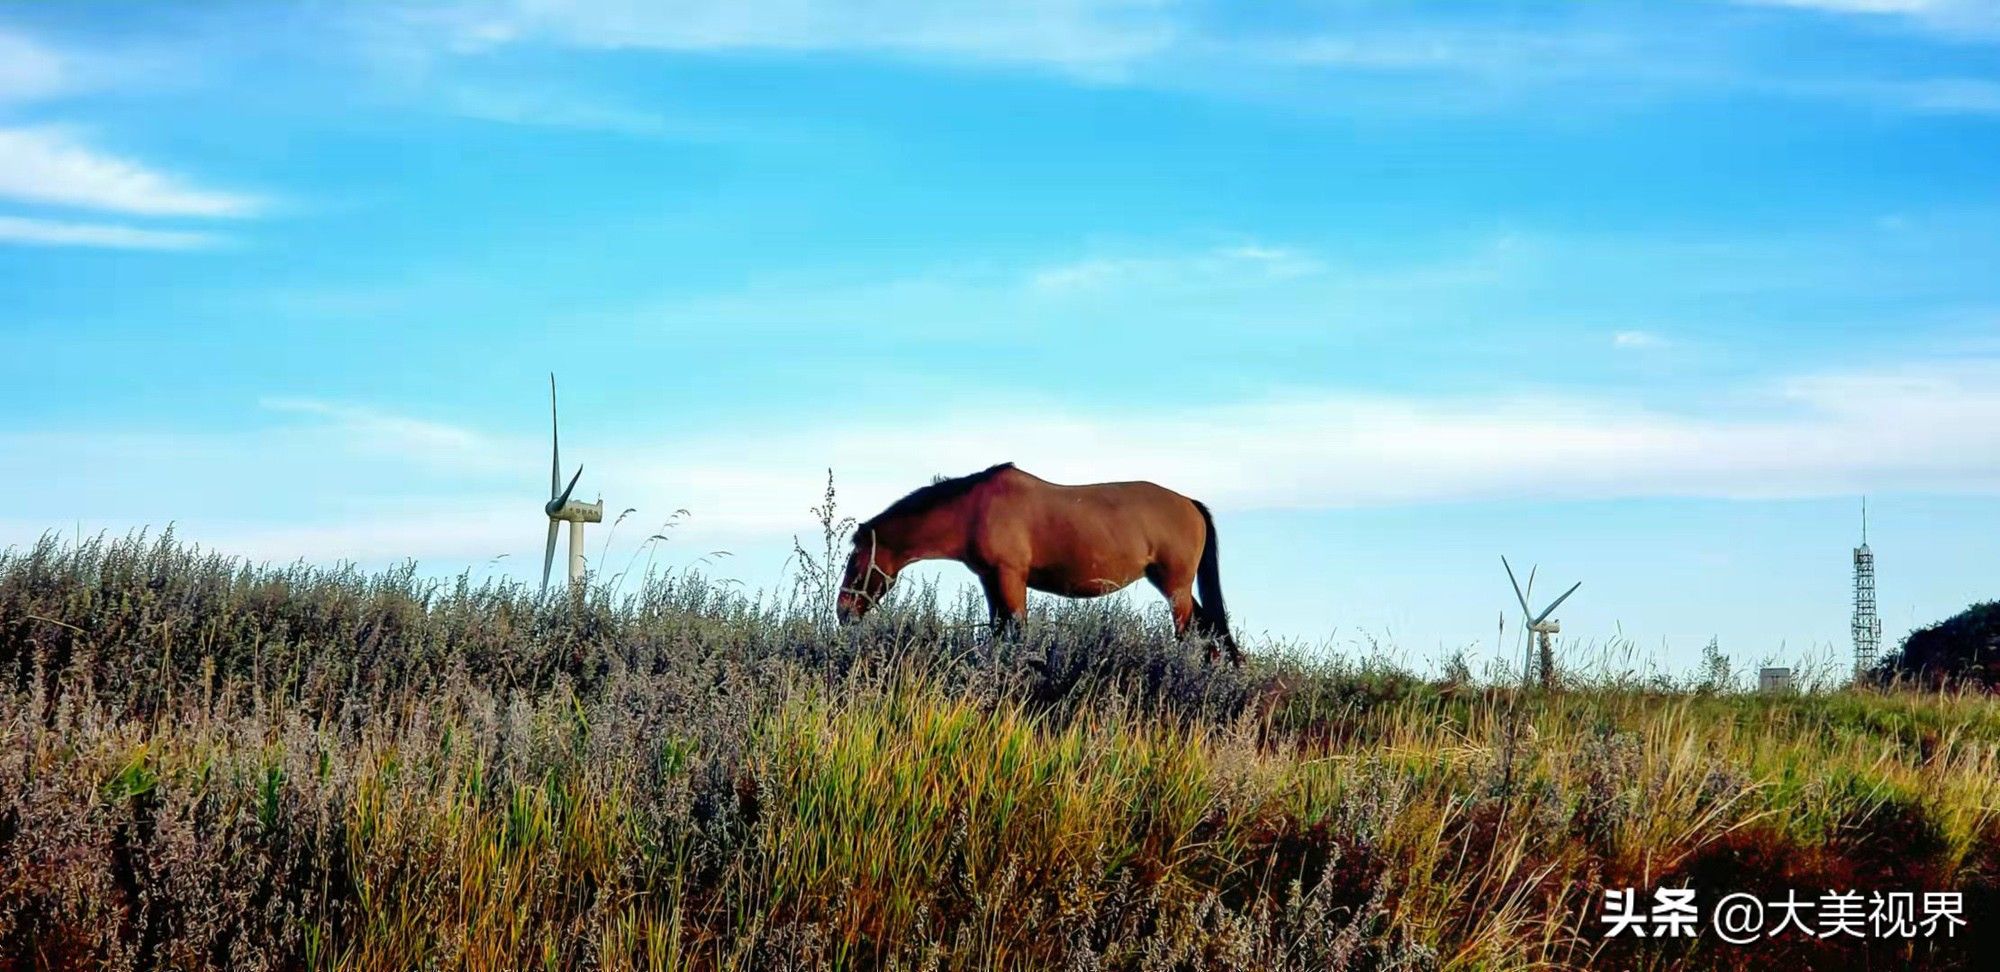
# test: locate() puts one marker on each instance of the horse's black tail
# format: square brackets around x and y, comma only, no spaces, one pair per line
[1210,614]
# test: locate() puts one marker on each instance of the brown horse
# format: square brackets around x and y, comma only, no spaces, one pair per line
[1018,531]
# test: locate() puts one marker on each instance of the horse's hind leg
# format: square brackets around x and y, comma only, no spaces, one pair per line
[1179,592]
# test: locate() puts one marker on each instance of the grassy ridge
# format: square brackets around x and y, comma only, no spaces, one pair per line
[209,765]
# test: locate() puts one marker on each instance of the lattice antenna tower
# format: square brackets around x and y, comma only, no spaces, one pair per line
[1867,625]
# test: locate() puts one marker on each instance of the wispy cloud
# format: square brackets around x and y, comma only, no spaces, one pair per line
[375,432]
[1631,61]
[457,531]
[1247,263]
[1908,7]
[51,166]
[1968,18]
[1460,50]
[1934,426]
[463,530]
[29,71]
[1637,340]
[1357,57]
[1317,451]
[552,109]
[1088,37]
[1969,96]
[46,232]
[1142,41]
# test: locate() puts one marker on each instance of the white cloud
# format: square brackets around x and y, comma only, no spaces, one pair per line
[1964,96]
[1081,36]
[458,531]
[29,71]
[1248,263]
[44,232]
[455,531]
[1860,6]
[1637,340]
[1972,18]
[50,166]
[370,483]
[526,107]
[1546,53]
[1929,96]
[1343,57]
[374,432]
[1936,428]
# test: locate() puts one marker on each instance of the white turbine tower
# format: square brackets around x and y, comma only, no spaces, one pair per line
[561,508]
[1541,658]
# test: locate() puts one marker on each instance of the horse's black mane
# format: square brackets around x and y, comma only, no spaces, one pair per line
[940,490]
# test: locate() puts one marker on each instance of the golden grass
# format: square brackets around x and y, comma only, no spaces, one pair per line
[688,785]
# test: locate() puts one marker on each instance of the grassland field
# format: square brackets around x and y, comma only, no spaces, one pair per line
[211,765]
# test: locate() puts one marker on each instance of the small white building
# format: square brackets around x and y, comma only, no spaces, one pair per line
[1773,680]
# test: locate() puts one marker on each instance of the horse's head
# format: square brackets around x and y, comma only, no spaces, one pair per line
[869,574]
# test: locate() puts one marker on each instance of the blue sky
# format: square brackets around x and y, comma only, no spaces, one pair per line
[1648,294]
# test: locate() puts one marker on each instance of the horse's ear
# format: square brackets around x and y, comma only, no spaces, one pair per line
[938,478]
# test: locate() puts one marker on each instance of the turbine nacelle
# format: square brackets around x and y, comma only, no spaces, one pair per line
[577,511]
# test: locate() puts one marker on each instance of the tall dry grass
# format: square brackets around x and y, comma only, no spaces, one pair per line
[209,765]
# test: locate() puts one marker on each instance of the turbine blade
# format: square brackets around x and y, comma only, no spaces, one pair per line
[555,442]
[1523,598]
[1565,597]
[549,557]
[563,497]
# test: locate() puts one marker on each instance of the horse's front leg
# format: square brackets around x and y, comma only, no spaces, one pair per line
[1006,599]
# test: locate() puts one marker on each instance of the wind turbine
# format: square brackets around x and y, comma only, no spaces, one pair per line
[1538,624]
[561,508]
